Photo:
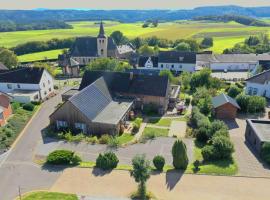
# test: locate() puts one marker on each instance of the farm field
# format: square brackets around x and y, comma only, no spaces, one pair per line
[31,57]
[225,34]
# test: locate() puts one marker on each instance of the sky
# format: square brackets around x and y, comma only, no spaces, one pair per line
[125,4]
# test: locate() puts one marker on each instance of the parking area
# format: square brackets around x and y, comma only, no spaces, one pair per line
[249,163]
[160,145]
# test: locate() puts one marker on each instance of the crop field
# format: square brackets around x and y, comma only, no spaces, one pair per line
[53,54]
[225,34]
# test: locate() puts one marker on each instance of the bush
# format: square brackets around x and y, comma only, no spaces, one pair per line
[113,142]
[251,104]
[91,140]
[221,148]
[28,106]
[15,105]
[234,91]
[265,152]
[179,153]
[137,124]
[107,161]
[159,162]
[202,134]
[150,109]
[36,103]
[217,125]
[187,101]
[63,157]
[104,139]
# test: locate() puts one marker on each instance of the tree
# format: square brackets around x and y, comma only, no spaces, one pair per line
[118,37]
[205,105]
[141,173]
[234,91]
[183,46]
[8,58]
[168,73]
[146,50]
[200,79]
[252,41]
[108,64]
[138,42]
[159,162]
[179,153]
[185,79]
[207,42]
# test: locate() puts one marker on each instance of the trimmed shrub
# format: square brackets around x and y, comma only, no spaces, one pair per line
[202,134]
[91,140]
[217,125]
[179,153]
[159,162]
[208,152]
[28,106]
[113,142]
[265,152]
[234,91]
[242,101]
[104,139]
[107,161]
[137,124]
[15,105]
[251,104]
[63,157]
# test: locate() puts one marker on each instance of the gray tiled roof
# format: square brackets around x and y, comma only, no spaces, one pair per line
[92,99]
[260,78]
[176,57]
[236,58]
[223,99]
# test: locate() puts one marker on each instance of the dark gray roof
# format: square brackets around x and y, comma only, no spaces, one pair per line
[261,128]
[101,33]
[223,99]
[96,103]
[260,78]
[129,83]
[176,57]
[87,47]
[21,75]
[144,59]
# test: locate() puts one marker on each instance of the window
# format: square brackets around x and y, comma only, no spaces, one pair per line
[45,93]
[102,41]
[172,66]
[61,124]
[255,91]
[18,86]
[36,97]
[1,115]
[49,82]
[101,51]
[44,85]
[180,66]
[161,65]
[250,91]
[9,86]
[81,126]
[99,41]
[50,89]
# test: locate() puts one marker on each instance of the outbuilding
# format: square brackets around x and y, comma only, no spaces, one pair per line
[225,107]
[257,133]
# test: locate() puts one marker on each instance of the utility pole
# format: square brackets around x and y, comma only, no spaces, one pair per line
[20,195]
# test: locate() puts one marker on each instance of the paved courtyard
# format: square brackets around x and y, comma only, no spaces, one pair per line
[249,163]
[151,148]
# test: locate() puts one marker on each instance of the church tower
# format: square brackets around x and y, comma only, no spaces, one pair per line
[102,42]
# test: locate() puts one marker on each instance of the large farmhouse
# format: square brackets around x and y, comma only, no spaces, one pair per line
[259,84]
[231,62]
[104,99]
[170,60]
[86,49]
[26,84]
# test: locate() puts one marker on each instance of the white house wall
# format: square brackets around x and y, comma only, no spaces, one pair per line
[233,66]
[46,84]
[262,89]
[185,67]
[17,86]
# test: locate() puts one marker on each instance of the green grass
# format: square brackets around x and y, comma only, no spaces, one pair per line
[221,167]
[225,34]
[42,195]
[163,121]
[14,126]
[31,57]
[125,138]
[150,132]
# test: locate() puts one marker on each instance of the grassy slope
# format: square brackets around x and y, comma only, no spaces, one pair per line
[158,132]
[49,196]
[53,54]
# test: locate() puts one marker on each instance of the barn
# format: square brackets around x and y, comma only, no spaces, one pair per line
[225,107]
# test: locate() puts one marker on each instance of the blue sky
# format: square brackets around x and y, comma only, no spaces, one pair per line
[125,4]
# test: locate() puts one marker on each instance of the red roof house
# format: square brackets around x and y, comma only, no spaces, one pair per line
[5,108]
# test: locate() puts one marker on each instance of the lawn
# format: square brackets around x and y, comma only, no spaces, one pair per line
[49,196]
[125,138]
[150,133]
[53,54]
[222,167]
[163,121]
[15,125]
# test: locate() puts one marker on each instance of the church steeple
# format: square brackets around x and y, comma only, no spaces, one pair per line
[101,33]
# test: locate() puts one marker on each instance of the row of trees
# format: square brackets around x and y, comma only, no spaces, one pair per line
[9,26]
[253,44]
[8,58]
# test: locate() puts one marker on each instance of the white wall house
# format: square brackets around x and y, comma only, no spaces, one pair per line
[170,60]
[26,84]
[259,84]
[229,62]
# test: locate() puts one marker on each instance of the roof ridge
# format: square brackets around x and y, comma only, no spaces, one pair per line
[258,74]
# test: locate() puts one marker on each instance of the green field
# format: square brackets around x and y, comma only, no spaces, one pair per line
[49,196]
[225,34]
[53,54]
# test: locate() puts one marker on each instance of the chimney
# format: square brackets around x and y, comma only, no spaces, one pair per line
[130,76]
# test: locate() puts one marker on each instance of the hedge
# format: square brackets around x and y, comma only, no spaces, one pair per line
[63,157]
[107,161]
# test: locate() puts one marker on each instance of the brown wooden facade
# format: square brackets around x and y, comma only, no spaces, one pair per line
[226,111]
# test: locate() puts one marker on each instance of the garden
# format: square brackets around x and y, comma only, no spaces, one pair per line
[43,195]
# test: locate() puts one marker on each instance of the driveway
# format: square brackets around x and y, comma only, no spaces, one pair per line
[151,148]
[17,169]
[249,163]
[166,186]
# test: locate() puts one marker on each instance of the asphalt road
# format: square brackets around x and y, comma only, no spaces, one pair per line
[17,169]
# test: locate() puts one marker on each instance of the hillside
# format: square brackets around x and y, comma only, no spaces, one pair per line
[128,15]
[244,20]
